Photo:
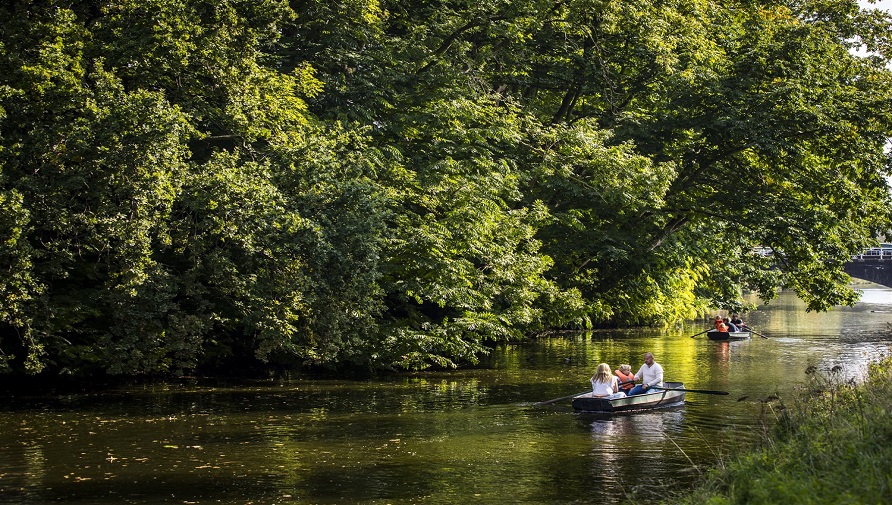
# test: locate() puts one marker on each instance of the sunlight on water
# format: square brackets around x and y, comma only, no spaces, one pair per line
[876,297]
[470,435]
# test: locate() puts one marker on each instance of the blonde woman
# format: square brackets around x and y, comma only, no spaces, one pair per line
[604,384]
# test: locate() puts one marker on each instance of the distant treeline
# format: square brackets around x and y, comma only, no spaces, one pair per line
[197,185]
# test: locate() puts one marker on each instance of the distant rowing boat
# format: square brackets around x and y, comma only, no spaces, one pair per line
[729,335]
[653,399]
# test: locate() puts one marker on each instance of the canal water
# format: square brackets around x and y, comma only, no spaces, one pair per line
[466,436]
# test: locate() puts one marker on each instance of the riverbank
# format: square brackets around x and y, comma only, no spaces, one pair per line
[829,445]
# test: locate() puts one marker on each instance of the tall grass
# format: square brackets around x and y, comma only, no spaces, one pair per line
[832,444]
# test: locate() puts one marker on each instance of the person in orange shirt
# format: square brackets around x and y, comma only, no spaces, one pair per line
[720,325]
[626,378]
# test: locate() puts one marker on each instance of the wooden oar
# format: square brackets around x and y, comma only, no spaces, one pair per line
[701,333]
[704,391]
[754,331]
[546,402]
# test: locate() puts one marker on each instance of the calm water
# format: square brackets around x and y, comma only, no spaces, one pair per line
[468,436]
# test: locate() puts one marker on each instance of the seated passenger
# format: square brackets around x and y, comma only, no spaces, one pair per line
[730,325]
[625,377]
[604,384]
[650,373]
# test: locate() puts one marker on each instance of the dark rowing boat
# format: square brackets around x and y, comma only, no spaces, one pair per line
[654,399]
[729,335]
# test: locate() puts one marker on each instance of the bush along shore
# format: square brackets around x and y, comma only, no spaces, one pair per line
[830,445]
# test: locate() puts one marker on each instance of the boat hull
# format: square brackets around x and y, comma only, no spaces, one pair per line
[729,335]
[657,398]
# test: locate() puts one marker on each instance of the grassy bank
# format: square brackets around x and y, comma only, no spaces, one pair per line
[832,444]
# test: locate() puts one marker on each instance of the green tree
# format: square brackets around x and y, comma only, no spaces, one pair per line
[171,201]
[384,183]
[752,125]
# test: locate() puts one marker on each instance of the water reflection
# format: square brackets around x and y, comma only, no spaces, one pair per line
[439,437]
[626,450]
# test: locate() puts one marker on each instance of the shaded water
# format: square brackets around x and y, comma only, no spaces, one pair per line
[464,436]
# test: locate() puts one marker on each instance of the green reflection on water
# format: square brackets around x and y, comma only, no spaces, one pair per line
[440,437]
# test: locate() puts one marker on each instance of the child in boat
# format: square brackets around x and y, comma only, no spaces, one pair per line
[720,325]
[604,384]
[625,378]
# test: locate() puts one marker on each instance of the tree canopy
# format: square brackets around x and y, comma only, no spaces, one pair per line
[194,185]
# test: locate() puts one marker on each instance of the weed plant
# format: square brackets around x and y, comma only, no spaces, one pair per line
[831,445]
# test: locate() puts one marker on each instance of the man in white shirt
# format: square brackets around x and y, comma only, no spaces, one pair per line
[650,374]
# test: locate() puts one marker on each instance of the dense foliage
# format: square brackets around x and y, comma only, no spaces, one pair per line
[189,184]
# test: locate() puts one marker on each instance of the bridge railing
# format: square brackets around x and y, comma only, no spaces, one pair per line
[875,253]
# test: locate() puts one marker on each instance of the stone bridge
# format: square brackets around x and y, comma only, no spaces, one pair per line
[873,269]
[874,264]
